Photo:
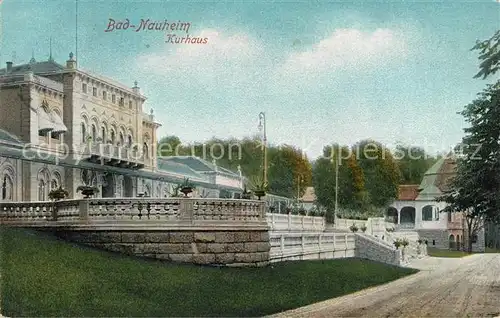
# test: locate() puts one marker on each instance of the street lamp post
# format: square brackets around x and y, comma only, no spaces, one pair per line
[262,127]
[336,160]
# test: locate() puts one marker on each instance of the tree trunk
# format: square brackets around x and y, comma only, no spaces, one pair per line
[469,237]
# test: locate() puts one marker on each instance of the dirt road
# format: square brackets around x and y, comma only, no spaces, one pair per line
[445,287]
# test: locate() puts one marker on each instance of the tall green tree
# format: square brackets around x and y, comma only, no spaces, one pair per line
[350,180]
[413,162]
[489,56]
[475,190]
[380,170]
[170,146]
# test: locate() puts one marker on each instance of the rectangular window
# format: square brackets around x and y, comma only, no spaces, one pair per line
[113,98]
[84,88]
[94,91]
[104,95]
[121,101]
[130,104]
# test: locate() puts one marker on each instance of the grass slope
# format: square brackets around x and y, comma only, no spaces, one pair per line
[43,276]
[435,252]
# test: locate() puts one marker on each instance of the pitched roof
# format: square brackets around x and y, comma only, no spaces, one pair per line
[5,136]
[177,168]
[35,67]
[408,192]
[309,195]
[199,164]
[437,179]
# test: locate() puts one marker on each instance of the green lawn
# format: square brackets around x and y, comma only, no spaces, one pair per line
[491,250]
[43,276]
[435,252]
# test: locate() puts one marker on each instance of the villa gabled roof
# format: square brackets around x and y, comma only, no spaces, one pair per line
[437,179]
[309,195]
[408,192]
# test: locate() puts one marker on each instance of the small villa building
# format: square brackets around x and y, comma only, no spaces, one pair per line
[417,210]
[308,200]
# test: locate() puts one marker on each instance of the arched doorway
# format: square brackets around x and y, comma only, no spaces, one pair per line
[392,215]
[407,216]
[452,241]
[108,186]
[459,245]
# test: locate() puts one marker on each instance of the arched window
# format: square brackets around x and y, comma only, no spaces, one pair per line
[113,137]
[94,133]
[122,139]
[103,134]
[129,141]
[84,133]
[55,183]
[145,151]
[430,213]
[41,190]
[7,188]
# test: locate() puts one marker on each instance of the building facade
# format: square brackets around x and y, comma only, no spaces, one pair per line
[417,209]
[64,126]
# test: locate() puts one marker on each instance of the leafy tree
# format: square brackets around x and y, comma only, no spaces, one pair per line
[350,180]
[170,146]
[380,170]
[489,55]
[475,189]
[413,162]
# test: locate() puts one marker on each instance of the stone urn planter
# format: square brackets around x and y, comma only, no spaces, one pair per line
[87,191]
[186,190]
[58,194]
[260,193]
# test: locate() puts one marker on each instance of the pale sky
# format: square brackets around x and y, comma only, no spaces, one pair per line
[322,72]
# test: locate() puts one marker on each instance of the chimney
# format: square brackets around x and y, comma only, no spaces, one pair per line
[9,67]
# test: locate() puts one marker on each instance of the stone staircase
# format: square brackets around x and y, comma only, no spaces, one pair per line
[413,250]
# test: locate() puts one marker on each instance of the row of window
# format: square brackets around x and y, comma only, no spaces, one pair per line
[111,139]
[121,101]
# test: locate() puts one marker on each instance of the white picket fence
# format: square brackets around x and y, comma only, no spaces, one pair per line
[295,223]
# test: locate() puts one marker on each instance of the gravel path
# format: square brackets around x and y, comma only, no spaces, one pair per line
[445,287]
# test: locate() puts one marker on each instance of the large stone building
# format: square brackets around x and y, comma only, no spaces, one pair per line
[64,126]
[418,210]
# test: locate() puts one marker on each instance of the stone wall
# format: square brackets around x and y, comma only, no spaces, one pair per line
[435,238]
[372,249]
[226,248]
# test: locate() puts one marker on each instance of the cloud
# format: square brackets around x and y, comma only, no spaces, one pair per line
[221,53]
[348,49]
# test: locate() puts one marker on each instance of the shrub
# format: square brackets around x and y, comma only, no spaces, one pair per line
[405,242]
[419,241]
[363,228]
[397,243]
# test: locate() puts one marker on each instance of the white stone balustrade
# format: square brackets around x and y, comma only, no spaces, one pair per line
[301,246]
[345,224]
[137,213]
[299,223]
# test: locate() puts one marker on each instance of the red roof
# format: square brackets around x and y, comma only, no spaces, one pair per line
[408,192]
